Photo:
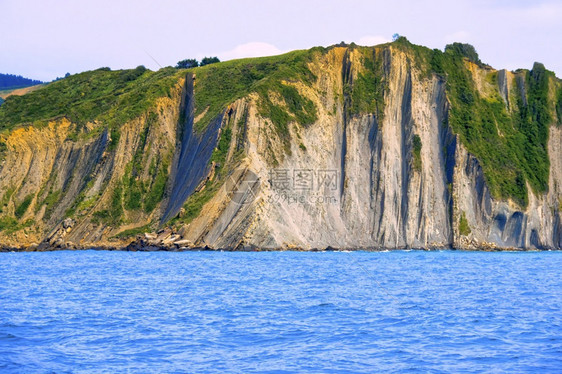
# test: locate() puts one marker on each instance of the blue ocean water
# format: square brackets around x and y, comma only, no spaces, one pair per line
[280,312]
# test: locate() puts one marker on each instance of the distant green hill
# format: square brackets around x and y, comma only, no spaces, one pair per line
[10,82]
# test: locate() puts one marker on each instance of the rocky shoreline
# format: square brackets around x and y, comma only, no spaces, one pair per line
[142,245]
[168,240]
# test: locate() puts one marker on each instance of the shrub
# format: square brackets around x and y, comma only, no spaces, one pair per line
[559,106]
[209,60]
[156,192]
[187,63]
[3,150]
[8,224]
[417,146]
[464,228]
[22,207]
[464,50]
[132,232]
[131,75]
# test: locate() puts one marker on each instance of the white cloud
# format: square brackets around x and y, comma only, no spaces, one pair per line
[253,49]
[369,40]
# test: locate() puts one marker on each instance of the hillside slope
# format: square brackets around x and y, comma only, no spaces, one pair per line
[17,92]
[392,146]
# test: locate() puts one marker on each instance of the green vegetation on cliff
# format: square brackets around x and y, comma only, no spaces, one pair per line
[3,149]
[218,85]
[368,89]
[297,108]
[113,215]
[21,208]
[559,105]
[10,225]
[510,142]
[464,227]
[511,146]
[464,50]
[140,192]
[111,97]
[50,201]
[133,232]
[533,122]
[417,146]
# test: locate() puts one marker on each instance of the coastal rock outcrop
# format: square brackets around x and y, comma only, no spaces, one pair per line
[354,148]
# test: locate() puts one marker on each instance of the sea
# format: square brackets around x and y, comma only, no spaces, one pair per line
[281,312]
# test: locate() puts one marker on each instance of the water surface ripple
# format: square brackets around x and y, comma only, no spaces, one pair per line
[280,312]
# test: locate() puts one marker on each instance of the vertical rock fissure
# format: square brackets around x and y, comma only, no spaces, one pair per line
[421,230]
[373,136]
[374,177]
[557,232]
[193,162]
[407,152]
[448,145]
[347,80]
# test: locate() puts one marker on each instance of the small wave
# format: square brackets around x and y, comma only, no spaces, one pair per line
[8,336]
[275,312]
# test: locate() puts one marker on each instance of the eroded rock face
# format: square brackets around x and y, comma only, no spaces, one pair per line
[380,200]
[395,179]
[70,184]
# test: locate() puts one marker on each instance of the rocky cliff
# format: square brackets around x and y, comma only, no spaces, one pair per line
[393,146]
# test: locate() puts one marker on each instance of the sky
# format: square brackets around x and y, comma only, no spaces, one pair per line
[48,38]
